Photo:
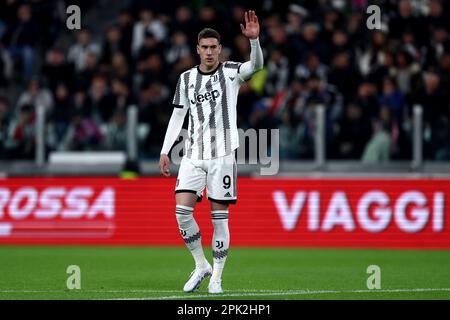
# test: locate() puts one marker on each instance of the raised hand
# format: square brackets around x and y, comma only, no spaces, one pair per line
[251,28]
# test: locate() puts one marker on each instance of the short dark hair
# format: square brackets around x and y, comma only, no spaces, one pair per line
[208,33]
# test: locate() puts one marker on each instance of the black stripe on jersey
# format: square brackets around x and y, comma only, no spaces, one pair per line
[191,133]
[212,121]
[201,117]
[176,100]
[191,120]
[178,106]
[225,117]
[231,65]
[186,84]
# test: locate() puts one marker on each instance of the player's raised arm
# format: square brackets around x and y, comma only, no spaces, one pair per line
[251,31]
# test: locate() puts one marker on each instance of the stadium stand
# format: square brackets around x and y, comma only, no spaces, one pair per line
[316,52]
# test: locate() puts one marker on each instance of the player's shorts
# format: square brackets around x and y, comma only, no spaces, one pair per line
[218,175]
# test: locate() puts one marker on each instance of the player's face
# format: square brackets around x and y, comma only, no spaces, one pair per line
[209,49]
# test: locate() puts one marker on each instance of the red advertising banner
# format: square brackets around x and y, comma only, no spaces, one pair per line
[359,213]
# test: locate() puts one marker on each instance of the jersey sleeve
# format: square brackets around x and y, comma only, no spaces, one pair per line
[256,62]
[231,69]
[179,99]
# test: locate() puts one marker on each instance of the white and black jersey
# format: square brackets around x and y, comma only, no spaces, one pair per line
[211,101]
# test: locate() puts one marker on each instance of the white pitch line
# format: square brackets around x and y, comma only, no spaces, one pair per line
[126,291]
[290,292]
[90,291]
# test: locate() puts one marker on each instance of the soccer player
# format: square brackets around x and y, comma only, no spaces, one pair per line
[209,92]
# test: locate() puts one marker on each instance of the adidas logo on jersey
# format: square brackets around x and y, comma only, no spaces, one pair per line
[227,195]
[210,95]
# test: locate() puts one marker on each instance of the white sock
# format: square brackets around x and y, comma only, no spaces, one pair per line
[190,232]
[221,242]
[217,272]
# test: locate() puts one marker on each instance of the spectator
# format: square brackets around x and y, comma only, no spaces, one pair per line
[438,45]
[4,124]
[375,56]
[63,109]
[394,99]
[242,49]
[149,47]
[184,21]
[36,95]
[116,132]
[310,43]
[101,99]
[378,149]
[277,72]
[312,65]
[78,52]
[147,24]
[367,99]
[6,67]
[21,137]
[289,107]
[325,94]
[57,70]
[120,68]
[354,133]
[407,19]
[179,48]
[21,39]
[125,25]
[121,95]
[341,68]
[84,77]
[436,17]
[112,45]
[435,102]
[83,134]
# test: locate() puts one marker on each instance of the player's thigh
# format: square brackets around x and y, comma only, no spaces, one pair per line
[221,184]
[219,205]
[191,180]
[187,199]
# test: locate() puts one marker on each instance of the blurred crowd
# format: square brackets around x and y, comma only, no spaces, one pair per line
[316,53]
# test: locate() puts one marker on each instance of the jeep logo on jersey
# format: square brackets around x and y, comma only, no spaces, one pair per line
[210,95]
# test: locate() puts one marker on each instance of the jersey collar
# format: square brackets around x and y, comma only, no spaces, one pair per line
[210,72]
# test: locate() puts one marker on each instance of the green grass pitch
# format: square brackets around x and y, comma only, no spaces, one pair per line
[36,272]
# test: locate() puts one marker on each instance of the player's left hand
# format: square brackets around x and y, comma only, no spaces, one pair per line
[164,165]
[251,28]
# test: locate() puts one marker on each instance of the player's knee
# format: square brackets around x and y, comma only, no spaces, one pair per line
[184,216]
[220,219]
